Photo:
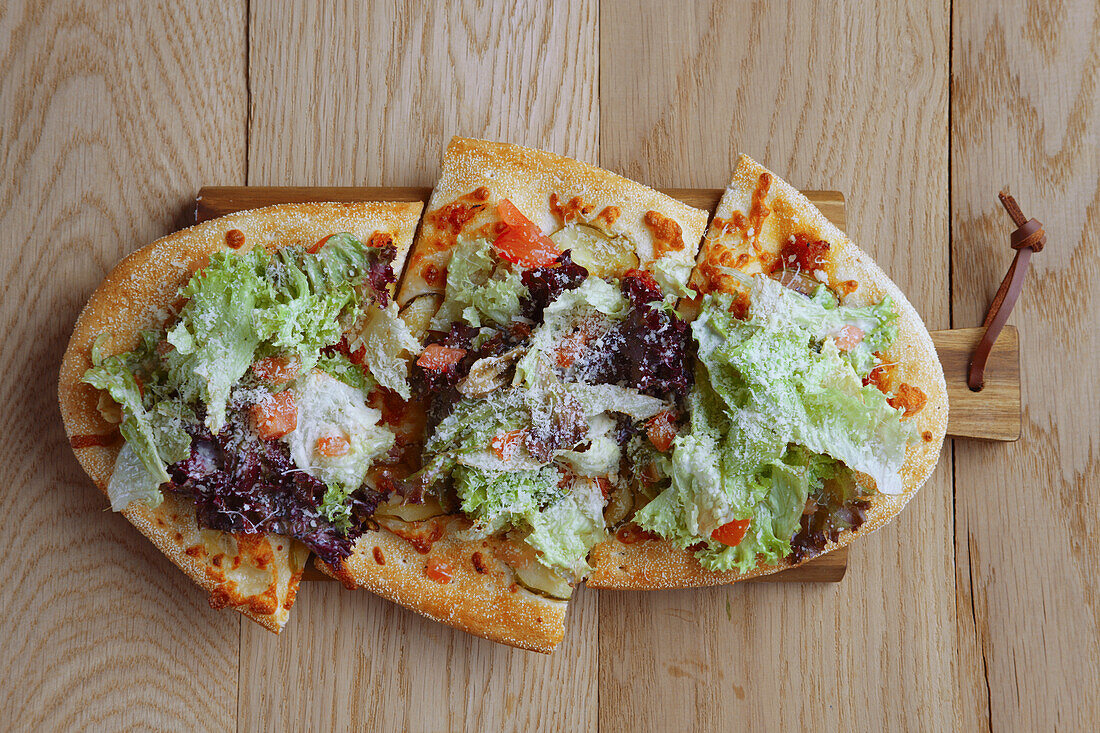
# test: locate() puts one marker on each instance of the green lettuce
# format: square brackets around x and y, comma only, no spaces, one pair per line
[480,289]
[562,525]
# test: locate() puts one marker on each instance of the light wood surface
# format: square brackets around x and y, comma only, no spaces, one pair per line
[1026,114]
[977,609]
[101,632]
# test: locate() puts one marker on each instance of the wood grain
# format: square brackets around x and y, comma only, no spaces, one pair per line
[993,413]
[1026,114]
[100,631]
[828,95]
[366,94]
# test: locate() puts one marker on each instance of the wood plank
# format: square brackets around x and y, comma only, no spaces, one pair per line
[104,137]
[1026,115]
[366,94]
[828,95]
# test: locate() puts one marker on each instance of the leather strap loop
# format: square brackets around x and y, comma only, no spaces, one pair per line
[1027,239]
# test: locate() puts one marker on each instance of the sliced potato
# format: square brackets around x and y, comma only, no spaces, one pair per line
[543,581]
[602,254]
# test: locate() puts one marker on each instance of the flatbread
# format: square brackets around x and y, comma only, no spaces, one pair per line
[256,574]
[756,216]
[550,190]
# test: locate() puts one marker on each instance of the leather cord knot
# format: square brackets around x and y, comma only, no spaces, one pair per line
[1028,238]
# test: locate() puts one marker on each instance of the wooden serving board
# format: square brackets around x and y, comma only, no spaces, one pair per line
[992,414]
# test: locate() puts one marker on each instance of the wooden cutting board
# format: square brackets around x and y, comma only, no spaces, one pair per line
[992,414]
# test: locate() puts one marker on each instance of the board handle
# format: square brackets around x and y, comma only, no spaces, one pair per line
[993,413]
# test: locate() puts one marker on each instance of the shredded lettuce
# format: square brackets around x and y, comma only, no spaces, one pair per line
[330,408]
[388,347]
[481,289]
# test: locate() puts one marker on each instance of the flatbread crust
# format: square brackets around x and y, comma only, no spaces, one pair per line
[467,585]
[257,575]
[748,236]
[550,190]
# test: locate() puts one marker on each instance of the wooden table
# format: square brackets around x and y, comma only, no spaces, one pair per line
[977,608]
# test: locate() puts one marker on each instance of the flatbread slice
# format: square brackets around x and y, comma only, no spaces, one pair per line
[256,574]
[473,585]
[757,215]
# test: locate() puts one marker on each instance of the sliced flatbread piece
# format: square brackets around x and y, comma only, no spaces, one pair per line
[757,215]
[623,225]
[256,574]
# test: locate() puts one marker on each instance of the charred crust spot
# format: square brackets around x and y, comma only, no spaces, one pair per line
[265,603]
[220,598]
[667,234]
[848,287]
[926,436]
[380,239]
[161,523]
[199,551]
[480,194]
[178,537]
[278,548]
[479,563]
[378,556]
[742,260]
[292,591]
[216,561]
[453,216]
[234,239]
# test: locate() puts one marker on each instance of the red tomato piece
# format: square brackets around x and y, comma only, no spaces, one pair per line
[333,446]
[849,338]
[315,248]
[505,445]
[731,533]
[275,416]
[277,369]
[522,242]
[437,358]
[661,430]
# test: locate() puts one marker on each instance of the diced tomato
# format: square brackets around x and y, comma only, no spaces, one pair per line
[505,445]
[315,248]
[277,369]
[275,415]
[605,487]
[571,347]
[522,242]
[731,533]
[661,430]
[438,571]
[437,358]
[849,338]
[332,446]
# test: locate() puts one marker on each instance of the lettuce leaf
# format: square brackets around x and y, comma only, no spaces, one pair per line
[564,532]
[480,289]
[132,480]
